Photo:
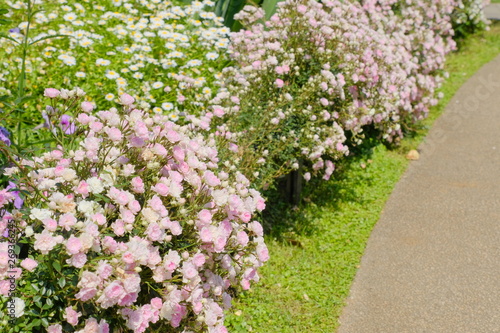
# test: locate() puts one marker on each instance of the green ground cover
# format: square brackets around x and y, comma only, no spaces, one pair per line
[316,249]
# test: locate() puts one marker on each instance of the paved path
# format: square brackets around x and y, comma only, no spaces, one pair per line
[432,264]
[492,11]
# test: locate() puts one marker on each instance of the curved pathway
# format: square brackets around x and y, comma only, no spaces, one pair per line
[432,263]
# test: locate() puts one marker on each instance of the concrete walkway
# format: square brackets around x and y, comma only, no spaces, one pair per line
[432,264]
[492,11]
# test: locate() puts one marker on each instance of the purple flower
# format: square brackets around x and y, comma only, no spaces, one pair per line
[15,30]
[18,201]
[67,126]
[5,136]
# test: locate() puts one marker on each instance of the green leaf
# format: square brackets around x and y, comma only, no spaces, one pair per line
[23,99]
[233,7]
[4,35]
[57,266]
[48,37]
[269,7]
[3,11]
[62,282]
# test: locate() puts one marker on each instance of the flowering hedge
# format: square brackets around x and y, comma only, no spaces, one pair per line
[134,227]
[316,74]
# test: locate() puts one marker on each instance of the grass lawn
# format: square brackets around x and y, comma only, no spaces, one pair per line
[316,250]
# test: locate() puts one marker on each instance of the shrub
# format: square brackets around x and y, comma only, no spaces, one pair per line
[468,17]
[318,73]
[132,227]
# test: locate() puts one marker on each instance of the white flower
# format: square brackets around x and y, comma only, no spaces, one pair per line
[29,231]
[40,214]
[112,75]
[212,56]
[137,75]
[167,106]
[95,185]
[85,42]
[86,207]
[157,85]
[150,215]
[121,82]
[102,62]
[70,17]
[19,307]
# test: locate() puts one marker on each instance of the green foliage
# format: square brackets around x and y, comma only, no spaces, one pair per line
[227,9]
[3,19]
[269,7]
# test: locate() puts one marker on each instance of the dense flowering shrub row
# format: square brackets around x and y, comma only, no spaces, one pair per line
[135,226]
[318,73]
[132,222]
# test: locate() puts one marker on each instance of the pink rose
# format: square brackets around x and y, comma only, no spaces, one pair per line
[137,185]
[161,189]
[71,316]
[73,245]
[126,99]
[51,93]
[87,106]
[114,134]
[54,329]
[85,294]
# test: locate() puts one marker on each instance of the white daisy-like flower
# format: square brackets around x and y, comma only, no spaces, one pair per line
[112,75]
[211,55]
[70,17]
[109,97]
[193,63]
[175,54]
[167,106]
[102,62]
[157,110]
[137,75]
[173,117]
[170,46]
[80,74]
[67,59]
[157,85]
[86,42]
[121,82]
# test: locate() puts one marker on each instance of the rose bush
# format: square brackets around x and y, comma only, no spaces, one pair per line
[132,227]
[309,82]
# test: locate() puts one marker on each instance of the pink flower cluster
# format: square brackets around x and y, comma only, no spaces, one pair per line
[316,73]
[140,210]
